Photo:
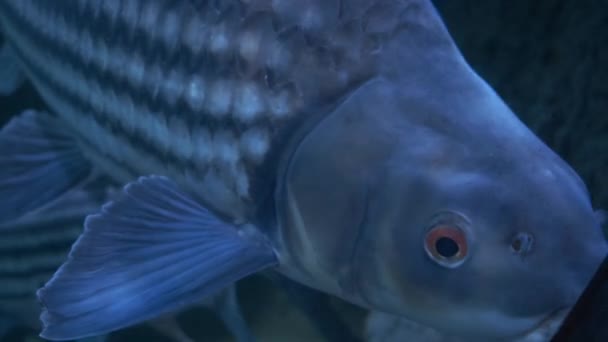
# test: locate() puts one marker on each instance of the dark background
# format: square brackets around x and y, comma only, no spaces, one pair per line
[547,59]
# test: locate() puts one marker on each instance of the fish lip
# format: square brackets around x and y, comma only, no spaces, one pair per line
[549,325]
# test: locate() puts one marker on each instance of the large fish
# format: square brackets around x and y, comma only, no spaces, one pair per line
[345,144]
[34,246]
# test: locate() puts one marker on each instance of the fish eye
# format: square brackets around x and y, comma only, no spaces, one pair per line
[446,245]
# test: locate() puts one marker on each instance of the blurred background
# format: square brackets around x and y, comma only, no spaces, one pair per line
[549,61]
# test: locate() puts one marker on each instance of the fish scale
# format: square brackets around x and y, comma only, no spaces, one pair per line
[206,95]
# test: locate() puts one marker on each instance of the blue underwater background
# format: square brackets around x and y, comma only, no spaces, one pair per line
[547,59]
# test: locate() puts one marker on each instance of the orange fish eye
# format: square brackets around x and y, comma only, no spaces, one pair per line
[446,245]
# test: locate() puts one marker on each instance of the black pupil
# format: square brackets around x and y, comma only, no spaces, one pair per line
[446,247]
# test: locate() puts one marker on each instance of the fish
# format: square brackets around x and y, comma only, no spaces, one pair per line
[347,145]
[34,246]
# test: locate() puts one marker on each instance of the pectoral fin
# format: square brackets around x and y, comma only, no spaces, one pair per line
[152,251]
[39,162]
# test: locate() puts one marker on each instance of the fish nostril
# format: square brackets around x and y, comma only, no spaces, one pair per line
[522,243]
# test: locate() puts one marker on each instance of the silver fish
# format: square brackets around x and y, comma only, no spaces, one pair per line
[34,246]
[345,144]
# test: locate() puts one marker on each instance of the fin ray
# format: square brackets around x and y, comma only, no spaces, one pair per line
[123,271]
[38,164]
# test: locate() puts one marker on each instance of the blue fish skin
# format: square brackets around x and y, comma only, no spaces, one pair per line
[346,144]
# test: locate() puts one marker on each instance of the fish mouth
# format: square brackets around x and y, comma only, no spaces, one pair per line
[548,327]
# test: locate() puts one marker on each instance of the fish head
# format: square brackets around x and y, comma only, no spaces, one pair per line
[437,204]
[479,229]
[479,253]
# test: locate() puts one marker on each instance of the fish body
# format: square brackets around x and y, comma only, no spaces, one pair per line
[345,144]
[196,90]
